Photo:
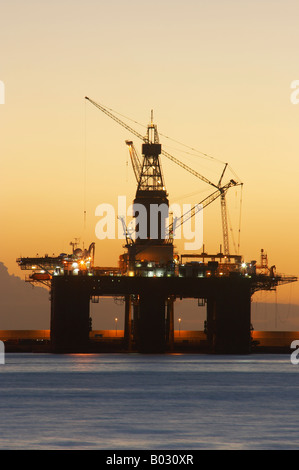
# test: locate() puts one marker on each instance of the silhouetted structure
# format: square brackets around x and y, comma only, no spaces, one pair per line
[150,277]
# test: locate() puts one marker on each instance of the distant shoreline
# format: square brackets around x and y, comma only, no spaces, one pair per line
[112,341]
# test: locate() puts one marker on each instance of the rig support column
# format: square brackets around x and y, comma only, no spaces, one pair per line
[69,315]
[151,323]
[228,318]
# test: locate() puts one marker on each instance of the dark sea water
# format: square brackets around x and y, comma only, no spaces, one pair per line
[119,401]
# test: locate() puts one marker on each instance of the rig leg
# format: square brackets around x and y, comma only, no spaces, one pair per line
[228,319]
[69,317]
[151,323]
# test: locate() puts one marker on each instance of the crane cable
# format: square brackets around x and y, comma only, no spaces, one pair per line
[240,217]
[206,155]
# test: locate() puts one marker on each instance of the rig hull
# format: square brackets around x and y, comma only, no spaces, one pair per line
[228,311]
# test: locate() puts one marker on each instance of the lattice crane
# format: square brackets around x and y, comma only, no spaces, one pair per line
[136,164]
[138,170]
[145,139]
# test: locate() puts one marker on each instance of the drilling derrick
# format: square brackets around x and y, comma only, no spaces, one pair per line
[151,205]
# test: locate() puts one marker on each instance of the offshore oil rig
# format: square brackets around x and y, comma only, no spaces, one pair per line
[151,276]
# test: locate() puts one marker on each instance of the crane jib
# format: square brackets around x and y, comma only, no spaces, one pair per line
[137,134]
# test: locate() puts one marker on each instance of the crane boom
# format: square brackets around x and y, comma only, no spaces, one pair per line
[145,138]
[224,225]
[204,203]
[136,164]
[186,167]
[115,118]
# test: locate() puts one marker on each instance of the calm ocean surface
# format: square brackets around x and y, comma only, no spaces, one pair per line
[131,402]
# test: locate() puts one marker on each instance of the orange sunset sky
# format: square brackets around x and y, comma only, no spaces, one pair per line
[217,75]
